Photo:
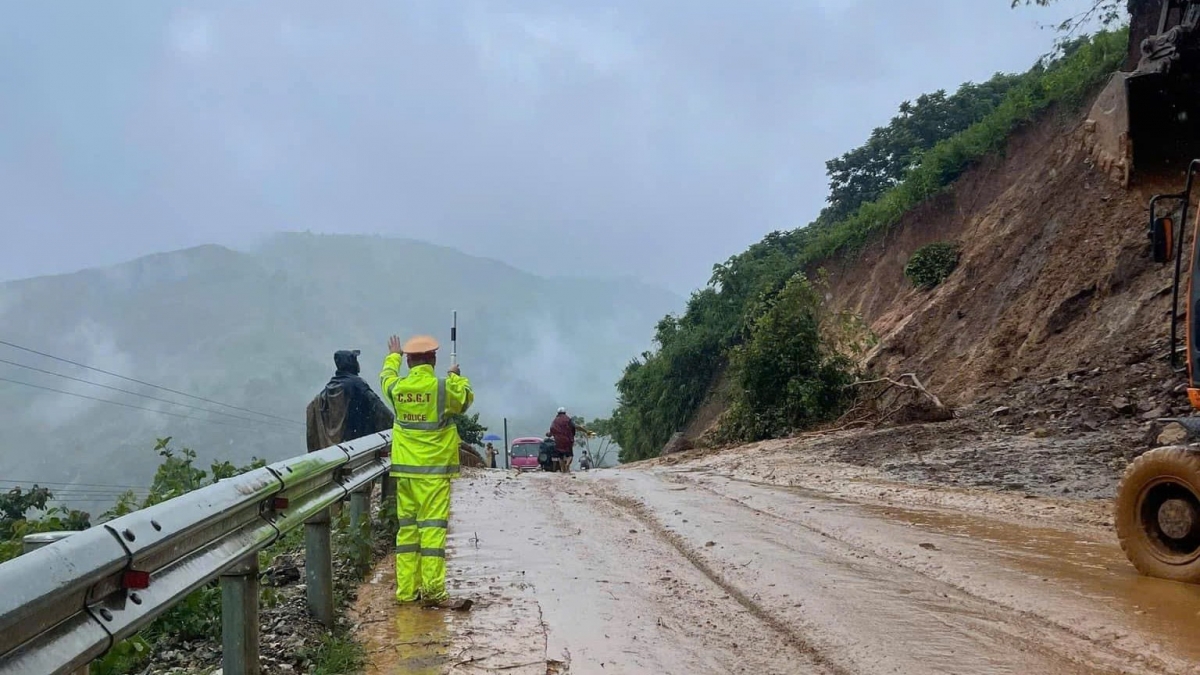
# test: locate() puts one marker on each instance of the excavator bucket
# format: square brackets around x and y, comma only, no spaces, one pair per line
[1147,120]
[1108,126]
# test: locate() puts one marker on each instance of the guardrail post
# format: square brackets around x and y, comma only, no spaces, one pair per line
[318,567]
[360,515]
[358,506]
[387,488]
[387,502]
[239,618]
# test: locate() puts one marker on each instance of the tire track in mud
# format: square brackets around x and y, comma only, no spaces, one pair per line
[791,636]
[597,591]
[796,638]
[1157,666]
[553,666]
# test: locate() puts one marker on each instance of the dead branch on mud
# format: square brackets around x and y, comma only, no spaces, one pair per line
[916,384]
[886,400]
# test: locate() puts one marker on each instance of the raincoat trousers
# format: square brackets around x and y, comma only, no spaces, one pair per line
[424,461]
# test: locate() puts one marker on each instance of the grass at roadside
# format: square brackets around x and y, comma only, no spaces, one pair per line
[337,654]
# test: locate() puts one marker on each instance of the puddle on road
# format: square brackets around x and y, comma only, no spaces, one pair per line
[419,641]
[501,633]
[1098,570]
[415,640]
[1166,612]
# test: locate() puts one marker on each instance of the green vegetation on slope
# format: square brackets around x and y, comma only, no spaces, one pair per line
[789,371]
[864,174]
[733,321]
[931,264]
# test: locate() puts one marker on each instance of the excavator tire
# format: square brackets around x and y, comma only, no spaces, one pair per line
[1157,514]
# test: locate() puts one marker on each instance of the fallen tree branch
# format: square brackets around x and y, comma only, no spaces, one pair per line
[916,385]
[892,400]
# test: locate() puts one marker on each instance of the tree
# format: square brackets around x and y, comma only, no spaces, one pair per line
[581,431]
[17,502]
[601,432]
[789,375]
[890,153]
[1107,12]
[469,429]
[177,475]
[15,507]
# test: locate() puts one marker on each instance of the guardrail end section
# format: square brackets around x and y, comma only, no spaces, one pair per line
[49,585]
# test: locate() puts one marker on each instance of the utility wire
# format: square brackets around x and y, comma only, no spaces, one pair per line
[67,490]
[125,405]
[145,384]
[108,496]
[134,393]
[79,490]
[51,482]
[86,497]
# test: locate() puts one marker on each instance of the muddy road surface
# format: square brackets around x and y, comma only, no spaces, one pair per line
[693,570]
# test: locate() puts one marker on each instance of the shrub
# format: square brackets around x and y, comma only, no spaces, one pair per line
[931,264]
[789,375]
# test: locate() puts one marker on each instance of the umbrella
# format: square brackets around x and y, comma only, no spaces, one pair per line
[492,437]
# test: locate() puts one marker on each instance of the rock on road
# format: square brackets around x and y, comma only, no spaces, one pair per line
[691,571]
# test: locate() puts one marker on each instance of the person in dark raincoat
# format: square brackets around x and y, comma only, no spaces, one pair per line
[562,430]
[347,408]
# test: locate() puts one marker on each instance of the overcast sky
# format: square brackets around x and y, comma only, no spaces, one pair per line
[633,137]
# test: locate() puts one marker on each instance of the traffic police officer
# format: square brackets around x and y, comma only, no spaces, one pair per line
[424,461]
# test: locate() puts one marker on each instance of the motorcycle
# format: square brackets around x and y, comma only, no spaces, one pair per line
[546,455]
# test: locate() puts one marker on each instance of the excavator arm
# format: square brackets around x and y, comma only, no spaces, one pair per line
[1148,116]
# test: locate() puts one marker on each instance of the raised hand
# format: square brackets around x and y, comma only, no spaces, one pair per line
[394,344]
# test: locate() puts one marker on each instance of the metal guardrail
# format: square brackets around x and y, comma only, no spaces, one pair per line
[65,604]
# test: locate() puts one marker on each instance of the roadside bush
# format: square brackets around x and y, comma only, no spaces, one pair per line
[16,506]
[931,264]
[788,374]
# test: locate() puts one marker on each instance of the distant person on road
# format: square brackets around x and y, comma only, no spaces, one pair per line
[347,408]
[425,458]
[563,431]
[546,454]
[491,455]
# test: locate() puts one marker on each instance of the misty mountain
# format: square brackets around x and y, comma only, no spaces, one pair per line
[258,329]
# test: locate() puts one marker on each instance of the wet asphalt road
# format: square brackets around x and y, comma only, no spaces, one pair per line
[677,571]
